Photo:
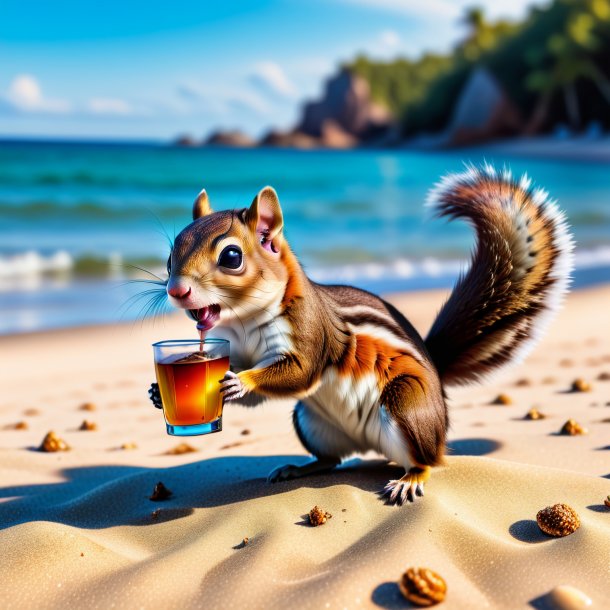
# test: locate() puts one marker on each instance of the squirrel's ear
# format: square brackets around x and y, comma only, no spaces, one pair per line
[201,207]
[265,218]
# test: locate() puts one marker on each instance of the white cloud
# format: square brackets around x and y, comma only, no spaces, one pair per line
[25,94]
[269,76]
[390,40]
[109,105]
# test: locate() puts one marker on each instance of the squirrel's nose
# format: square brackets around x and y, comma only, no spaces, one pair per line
[178,291]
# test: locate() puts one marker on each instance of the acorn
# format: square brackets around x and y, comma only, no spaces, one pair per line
[604,376]
[88,425]
[318,517]
[87,406]
[572,428]
[558,520]
[422,587]
[533,413]
[502,399]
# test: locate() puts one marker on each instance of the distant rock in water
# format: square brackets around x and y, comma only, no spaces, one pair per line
[346,113]
[233,138]
[482,112]
[288,139]
[186,141]
[345,117]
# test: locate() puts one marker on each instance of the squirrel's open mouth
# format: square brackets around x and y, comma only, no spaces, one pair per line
[205,317]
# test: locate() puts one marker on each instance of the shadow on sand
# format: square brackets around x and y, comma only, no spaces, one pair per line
[106,496]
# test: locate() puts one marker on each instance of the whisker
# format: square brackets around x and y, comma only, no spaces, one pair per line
[131,266]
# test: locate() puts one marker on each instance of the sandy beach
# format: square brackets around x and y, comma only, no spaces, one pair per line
[79,530]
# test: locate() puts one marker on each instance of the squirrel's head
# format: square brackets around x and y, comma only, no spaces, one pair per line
[228,264]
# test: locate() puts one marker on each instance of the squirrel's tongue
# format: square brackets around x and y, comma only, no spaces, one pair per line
[207,317]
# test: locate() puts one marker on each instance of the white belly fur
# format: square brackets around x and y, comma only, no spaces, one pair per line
[353,407]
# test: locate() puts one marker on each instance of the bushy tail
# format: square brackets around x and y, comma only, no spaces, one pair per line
[519,273]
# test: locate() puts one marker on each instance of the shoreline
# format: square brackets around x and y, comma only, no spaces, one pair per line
[583,278]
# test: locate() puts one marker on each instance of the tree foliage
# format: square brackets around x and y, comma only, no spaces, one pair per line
[554,66]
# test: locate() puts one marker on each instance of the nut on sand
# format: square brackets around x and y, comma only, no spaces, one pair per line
[88,425]
[160,493]
[318,517]
[580,385]
[607,501]
[51,443]
[558,520]
[180,449]
[502,399]
[572,428]
[87,406]
[422,587]
[533,414]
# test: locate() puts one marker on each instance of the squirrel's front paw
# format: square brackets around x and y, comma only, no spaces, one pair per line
[232,387]
[155,395]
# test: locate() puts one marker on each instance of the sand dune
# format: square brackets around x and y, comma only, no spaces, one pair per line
[79,530]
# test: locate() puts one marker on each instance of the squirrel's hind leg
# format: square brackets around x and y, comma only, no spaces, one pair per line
[327,443]
[414,425]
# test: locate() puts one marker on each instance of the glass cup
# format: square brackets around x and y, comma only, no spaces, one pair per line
[188,374]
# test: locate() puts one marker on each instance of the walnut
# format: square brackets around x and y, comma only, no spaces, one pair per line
[52,443]
[88,425]
[87,406]
[160,492]
[180,449]
[502,399]
[580,385]
[422,587]
[572,428]
[318,517]
[533,413]
[558,520]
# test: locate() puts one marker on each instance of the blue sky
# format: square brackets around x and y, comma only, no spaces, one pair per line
[135,69]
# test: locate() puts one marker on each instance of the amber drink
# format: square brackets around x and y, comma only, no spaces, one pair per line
[188,374]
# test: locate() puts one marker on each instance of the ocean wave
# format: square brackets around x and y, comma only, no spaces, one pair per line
[33,263]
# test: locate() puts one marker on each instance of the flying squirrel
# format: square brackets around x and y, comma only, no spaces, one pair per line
[363,377]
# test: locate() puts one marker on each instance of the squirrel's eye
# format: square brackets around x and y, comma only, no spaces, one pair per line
[231,258]
[169,265]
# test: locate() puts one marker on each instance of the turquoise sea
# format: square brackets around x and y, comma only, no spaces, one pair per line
[74,216]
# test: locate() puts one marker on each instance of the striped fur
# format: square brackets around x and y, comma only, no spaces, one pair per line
[364,377]
[519,274]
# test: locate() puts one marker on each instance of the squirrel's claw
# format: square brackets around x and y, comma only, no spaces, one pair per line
[155,395]
[231,387]
[407,488]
